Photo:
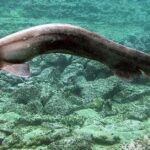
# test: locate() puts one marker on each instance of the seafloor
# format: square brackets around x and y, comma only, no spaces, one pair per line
[72,103]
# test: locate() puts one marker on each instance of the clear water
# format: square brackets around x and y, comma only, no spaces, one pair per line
[72,103]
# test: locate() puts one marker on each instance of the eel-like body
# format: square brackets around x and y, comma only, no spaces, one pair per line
[19,47]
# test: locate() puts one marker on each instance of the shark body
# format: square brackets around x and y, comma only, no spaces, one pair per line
[19,47]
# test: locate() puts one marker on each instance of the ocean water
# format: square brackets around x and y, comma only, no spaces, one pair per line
[70,102]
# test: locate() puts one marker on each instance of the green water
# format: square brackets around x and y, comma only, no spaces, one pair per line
[112,19]
[72,103]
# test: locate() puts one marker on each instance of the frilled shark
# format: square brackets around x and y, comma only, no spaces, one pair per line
[19,47]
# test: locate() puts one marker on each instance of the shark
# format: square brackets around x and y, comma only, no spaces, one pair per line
[19,47]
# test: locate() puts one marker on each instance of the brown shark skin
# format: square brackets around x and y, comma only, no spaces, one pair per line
[22,46]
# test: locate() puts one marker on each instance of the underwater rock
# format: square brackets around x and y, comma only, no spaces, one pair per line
[139,114]
[29,138]
[35,107]
[72,143]
[36,120]
[74,99]
[6,131]
[71,73]
[9,116]
[131,93]
[23,93]
[52,126]
[49,63]
[98,88]
[108,109]
[1,139]
[87,113]
[40,137]
[58,60]
[104,106]
[47,73]
[125,126]
[142,143]
[106,139]
[2,82]
[46,92]
[93,122]
[26,121]
[35,71]
[11,141]
[73,120]
[10,81]
[16,108]
[72,93]
[95,70]
[146,102]
[98,134]
[57,105]
[128,129]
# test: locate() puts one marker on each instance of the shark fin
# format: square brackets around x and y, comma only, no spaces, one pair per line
[21,70]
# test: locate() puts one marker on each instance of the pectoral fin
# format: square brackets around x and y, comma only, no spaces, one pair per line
[21,70]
